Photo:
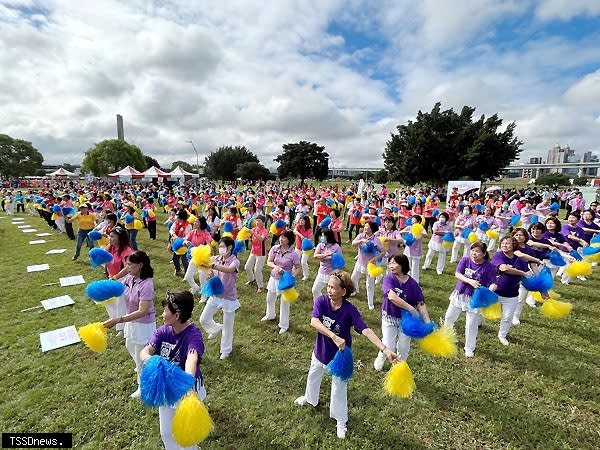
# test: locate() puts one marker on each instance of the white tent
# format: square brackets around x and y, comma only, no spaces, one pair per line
[154,172]
[63,173]
[127,172]
[178,172]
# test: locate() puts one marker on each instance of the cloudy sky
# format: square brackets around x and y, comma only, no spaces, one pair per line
[343,74]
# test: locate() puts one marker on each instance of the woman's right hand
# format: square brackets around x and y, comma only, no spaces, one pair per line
[340,342]
[475,284]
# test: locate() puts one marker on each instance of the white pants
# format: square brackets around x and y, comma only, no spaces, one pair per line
[165,417]
[509,305]
[415,267]
[304,264]
[284,307]
[456,249]
[523,293]
[190,274]
[338,405]
[393,338]
[134,350]
[370,283]
[254,267]
[471,326]
[320,282]
[441,262]
[117,309]
[212,327]
[60,224]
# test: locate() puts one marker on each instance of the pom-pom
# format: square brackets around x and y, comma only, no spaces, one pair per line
[325,222]
[434,213]
[556,259]
[448,237]
[103,241]
[588,251]
[280,224]
[409,239]
[492,312]
[374,270]
[575,254]
[100,291]
[417,230]
[94,235]
[144,214]
[163,383]
[514,220]
[369,247]
[54,216]
[337,261]
[177,244]
[286,281]
[213,287]
[244,234]
[56,209]
[484,226]
[411,200]
[94,335]
[191,422]
[129,218]
[290,295]
[201,255]
[479,207]
[408,222]
[356,213]
[68,211]
[238,247]
[541,282]
[342,364]
[534,219]
[384,241]
[483,297]
[399,381]
[137,224]
[465,233]
[307,244]
[440,342]
[472,238]
[579,269]
[169,224]
[191,218]
[188,254]
[227,234]
[413,326]
[151,213]
[555,309]
[228,227]
[538,296]
[554,206]
[99,256]
[492,234]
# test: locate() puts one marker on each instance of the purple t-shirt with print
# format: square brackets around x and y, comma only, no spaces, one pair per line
[567,231]
[485,273]
[136,291]
[339,321]
[175,347]
[508,285]
[410,292]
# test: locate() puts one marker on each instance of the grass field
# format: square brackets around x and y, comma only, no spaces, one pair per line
[540,392]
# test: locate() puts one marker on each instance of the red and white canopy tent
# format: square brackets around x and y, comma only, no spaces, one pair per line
[127,172]
[178,172]
[154,172]
[62,173]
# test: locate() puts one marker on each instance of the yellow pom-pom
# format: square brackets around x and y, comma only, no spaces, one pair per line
[417,230]
[374,270]
[290,204]
[555,309]
[94,335]
[492,312]
[191,219]
[519,224]
[243,234]
[151,213]
[537,296]
[273,229]
[137,224]
[290,295]
[399,381]
[307,252]
[385,243]
[579,269]
[167,208]
[441,342]
[227,234]
[243,210]
[103,241]
[213,243]
[447,244]
[191,422]
[106,302]
[182,250]
[362,221]
[472,238]
[54,216]
[492,234]
[201,255]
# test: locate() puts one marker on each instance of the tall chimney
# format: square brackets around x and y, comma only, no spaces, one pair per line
[120,134]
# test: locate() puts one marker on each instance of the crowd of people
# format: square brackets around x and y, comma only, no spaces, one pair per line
[373,228]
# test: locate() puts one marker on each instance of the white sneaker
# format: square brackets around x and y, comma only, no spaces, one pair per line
[304,278]
[469,354]
[341,430]
[224,356]
[136,394]
[440,273]
[503,340]
[211,336]
[516,321]
[301,401]
[371,307]
[379,362]
[265,318]
[581,278]
[194,291]
[282,330]
[530,301]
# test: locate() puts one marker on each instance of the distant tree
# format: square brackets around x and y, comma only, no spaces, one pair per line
[381,177]
[150,161]
[185,166]
[581,181]
[252,171]
[443,145]
[303,160]
[18,158]
[222,163]
[553,179]
[112,155]
[69,167]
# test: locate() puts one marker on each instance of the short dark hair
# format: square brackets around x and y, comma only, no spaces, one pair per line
[182,214]
[374,226]
[345,281]
[402,261]
[229,242]
[180,302]
[329,235]
[483,247]
[291,237]
[138,257]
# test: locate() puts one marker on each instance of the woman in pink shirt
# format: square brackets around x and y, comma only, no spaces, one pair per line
[324,250]
[258,254]
[199,235]
[120,249]
[303,230]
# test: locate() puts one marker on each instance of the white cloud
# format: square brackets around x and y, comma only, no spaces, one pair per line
[566,9]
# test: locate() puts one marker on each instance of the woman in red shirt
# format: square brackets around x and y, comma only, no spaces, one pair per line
[199,235]
[303,230]
[258,254]
[118,246]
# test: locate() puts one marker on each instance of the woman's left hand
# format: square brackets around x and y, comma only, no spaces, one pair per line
[110,323]
[391,356]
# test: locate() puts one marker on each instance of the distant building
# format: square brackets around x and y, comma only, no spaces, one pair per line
[351,172]
[560,160]
[559,155]
[536,160]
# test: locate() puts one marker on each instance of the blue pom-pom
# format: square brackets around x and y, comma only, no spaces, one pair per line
[534,219]
[213,287]
[412,199]
[575,254]
[595,239]
[377,220]
[119,215]
[94,235]
[465,233]
[484,226]
[413,326]
[68,211]
[448,237]
[325,222]
[337,261]
[287,281]
[163,383]
[587,251]
[435,212]
[329,202]
[238,247]
[369,247]
[129,218]
[280,223]
[408,222]
[409,239]
[479,207]
[56,209]
[356,213]
[219,203]
[554,206]
[307,244]
[177,244]
[169,224]
[541,282]
[228,227]
[99,256]
[144,214]
[342,364]
[188,255]
[556,259]
[483,297]
[514,219]
[395,209]
[102,290]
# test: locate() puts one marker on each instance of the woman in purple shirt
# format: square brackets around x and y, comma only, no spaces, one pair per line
[364,258]
[401,295]
[575,237]
[472,272]
[225,266]
[510,270]
[439,229]
[140,320]
[334,317]
[178,341]
[282,258]
[587,224]
[323,252]
[530,255]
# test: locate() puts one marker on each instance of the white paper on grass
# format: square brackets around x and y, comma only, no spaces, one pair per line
[38,267]
[37,241]
[24,226]
[29,230]
[57,302]
[56,251]
[62,337]
[43,234]
[71,281]
[17,221]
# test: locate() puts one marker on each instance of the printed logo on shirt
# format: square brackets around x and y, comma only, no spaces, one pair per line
[331,325]
[165,349]
[399,292]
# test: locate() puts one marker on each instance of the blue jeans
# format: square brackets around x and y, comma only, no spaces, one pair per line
[82,235]
[132,239]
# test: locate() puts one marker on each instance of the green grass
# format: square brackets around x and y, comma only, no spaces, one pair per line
[540,392]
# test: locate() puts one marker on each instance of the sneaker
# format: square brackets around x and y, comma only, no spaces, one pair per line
[248,283]
[440,273]
[177,273]
[341,430]
[260,290]
[503,340]
[581,278]
[74,258]
[531,301]
[468,354]
[301,401]
[516,321]
[224,356]
[371,307]
[283,330]
[379,362]
[211,336]
[265,318]
[304,278]
[136,394]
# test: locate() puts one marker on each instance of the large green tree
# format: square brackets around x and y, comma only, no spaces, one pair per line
[112,155]
[18,158]
[303,160]
[150,161]
[184,165]
[252,171]
[443,145]
[222,163]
